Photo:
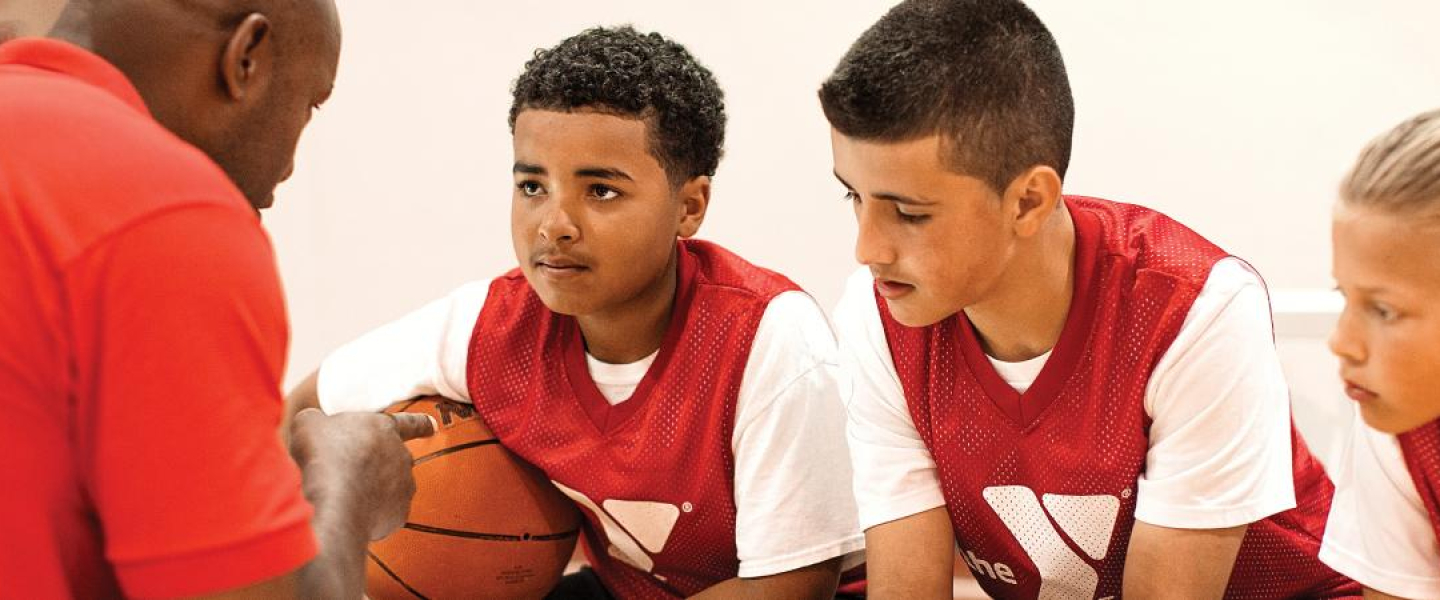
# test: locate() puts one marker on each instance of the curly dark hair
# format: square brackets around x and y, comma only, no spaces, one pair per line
[985,74]
[642,75]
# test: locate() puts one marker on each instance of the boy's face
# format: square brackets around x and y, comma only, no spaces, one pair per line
[594,219]
[935,241]
[1388,268]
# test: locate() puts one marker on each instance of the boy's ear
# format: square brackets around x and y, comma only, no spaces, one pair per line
[694,198]
[1037,194]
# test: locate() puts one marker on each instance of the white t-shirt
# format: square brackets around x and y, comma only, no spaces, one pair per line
[1219,452]
[617,382]
[1379,532]
[792,497]
[1021,374]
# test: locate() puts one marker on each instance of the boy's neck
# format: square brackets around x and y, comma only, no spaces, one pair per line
[1025,315]
[634,330]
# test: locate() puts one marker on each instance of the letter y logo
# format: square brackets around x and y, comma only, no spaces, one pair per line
[631,525]
[1089,521]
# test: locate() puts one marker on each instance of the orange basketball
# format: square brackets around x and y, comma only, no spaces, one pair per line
[483,523]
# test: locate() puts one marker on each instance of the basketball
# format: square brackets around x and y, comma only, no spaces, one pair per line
[483,523]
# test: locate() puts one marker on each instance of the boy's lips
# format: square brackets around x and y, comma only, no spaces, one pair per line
[891,289]
[559,266]
[1359,393]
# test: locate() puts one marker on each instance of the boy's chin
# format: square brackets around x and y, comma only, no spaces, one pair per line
[561,303]
[911,313]
[1381,416]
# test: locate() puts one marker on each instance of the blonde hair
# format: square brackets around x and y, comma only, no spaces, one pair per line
[1399,171]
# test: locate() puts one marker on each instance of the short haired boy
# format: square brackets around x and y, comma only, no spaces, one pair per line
[686,399]
[1083,394]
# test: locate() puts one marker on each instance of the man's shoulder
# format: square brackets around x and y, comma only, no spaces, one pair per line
[81,164]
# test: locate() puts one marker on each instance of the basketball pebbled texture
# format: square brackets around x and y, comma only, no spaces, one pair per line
[483,524]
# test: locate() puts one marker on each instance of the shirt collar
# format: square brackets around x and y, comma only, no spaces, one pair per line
[69,59]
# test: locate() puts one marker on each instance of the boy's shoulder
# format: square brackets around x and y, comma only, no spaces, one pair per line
[1144,237]
[718,267]
[508,286]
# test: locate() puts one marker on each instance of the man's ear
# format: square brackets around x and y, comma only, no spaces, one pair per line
[249,57]
[1037,193]
[694,201]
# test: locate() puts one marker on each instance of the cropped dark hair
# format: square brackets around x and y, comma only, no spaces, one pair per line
[985,75]
[624,72]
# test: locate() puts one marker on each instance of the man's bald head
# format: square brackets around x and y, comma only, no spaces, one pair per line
[21,18]
[238,79]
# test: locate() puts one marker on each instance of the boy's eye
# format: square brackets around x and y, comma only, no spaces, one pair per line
[1382,312]
[530,188]
[602,192]
[910,218]
[850,196]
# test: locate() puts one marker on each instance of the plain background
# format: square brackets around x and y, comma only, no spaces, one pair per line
[1236,117]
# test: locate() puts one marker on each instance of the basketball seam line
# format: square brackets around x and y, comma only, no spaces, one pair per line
[498,537]
[453,449]
[392,575]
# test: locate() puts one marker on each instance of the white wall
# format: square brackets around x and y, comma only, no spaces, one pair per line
[1303,322]
[1238,117]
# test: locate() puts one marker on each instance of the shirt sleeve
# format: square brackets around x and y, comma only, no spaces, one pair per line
[1220,452]
[895,475]
[1379,533]
[182,357]
[420,354]
[794,505]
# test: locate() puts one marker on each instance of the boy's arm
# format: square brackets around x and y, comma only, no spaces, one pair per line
[1220,454]
[911,557]
[420,354]
[1153,568]
[910,543]
[795,523]
[816,581]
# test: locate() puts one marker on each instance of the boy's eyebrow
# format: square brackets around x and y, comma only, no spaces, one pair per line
[596,172]
[896,198]
[603,173]
[1370,290]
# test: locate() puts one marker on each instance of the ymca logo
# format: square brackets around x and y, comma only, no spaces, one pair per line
[635,529]
[1088,521]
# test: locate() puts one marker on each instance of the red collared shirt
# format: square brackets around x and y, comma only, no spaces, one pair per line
[142,343]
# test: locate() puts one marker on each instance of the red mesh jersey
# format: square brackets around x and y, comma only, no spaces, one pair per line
[1421,448]
[1041,487]
[654,473]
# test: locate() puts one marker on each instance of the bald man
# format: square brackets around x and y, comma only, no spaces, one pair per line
[142,326]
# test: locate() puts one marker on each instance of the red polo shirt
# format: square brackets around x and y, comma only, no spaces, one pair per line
[142,341]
